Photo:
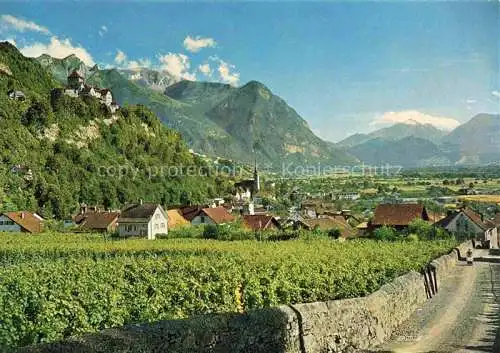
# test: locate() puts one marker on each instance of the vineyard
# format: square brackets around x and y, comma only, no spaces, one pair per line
[54,285]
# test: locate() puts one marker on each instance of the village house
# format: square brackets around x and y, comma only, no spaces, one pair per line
[99,222]
[21,221]
[175,219]
[466,223]
[496,220]
[217,202]
[260,222]
[23,170]
[191,211]
[348,196]
[329,223]
[398,215]
[16,95]
[215,215]
[143,220]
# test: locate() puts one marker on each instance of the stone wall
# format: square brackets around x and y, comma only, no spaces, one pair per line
[346,325]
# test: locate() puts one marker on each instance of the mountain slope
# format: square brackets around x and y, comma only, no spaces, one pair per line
[78,151]
[221,120]
[156,80]
[478,140]
[254,116]
[396,132]
[406,152]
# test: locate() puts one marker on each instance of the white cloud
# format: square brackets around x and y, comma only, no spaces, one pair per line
[120,57]
[137,64]
[103,30]
[471,101]
[415,117]
[18,24]
[194,45]
[233,78]
[58,48]
[206,70]
[177,65]
[496,94]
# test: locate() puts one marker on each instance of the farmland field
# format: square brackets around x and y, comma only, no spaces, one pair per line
[481,198]
[54,285]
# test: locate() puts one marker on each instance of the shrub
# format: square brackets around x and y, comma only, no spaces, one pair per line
[412,237]
[335,233]
[385,233]
[211,231]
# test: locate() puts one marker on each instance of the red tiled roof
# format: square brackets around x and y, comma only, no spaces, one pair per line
[398,214]
[99,220]
[189,212]
[260,222]
[218,214]
[26,220]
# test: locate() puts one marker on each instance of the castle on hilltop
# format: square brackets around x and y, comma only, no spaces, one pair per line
[76,87]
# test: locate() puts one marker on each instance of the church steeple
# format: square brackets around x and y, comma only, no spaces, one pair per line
[256,179]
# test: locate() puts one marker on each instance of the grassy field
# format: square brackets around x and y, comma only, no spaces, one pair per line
[54,285]
[481,198]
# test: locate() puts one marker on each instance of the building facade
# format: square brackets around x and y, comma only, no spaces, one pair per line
[143,220]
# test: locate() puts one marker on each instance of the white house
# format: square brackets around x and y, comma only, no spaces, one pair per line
[468,224]
[350,196]
[143,220]
[16,95]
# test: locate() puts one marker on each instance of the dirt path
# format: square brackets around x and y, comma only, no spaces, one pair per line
[463,317]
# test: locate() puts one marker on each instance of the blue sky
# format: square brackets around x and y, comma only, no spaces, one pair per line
[345,67]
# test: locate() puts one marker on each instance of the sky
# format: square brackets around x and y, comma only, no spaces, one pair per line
[345,67]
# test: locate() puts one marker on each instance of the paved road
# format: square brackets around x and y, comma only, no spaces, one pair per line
[464,317]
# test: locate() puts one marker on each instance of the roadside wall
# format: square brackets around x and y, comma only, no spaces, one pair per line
[346,325]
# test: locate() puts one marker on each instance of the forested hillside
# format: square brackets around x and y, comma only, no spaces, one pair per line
[218,119]
[58,152]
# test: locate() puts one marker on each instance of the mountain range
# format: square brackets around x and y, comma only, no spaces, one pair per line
[231,122]
[412,144]
[213,118]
